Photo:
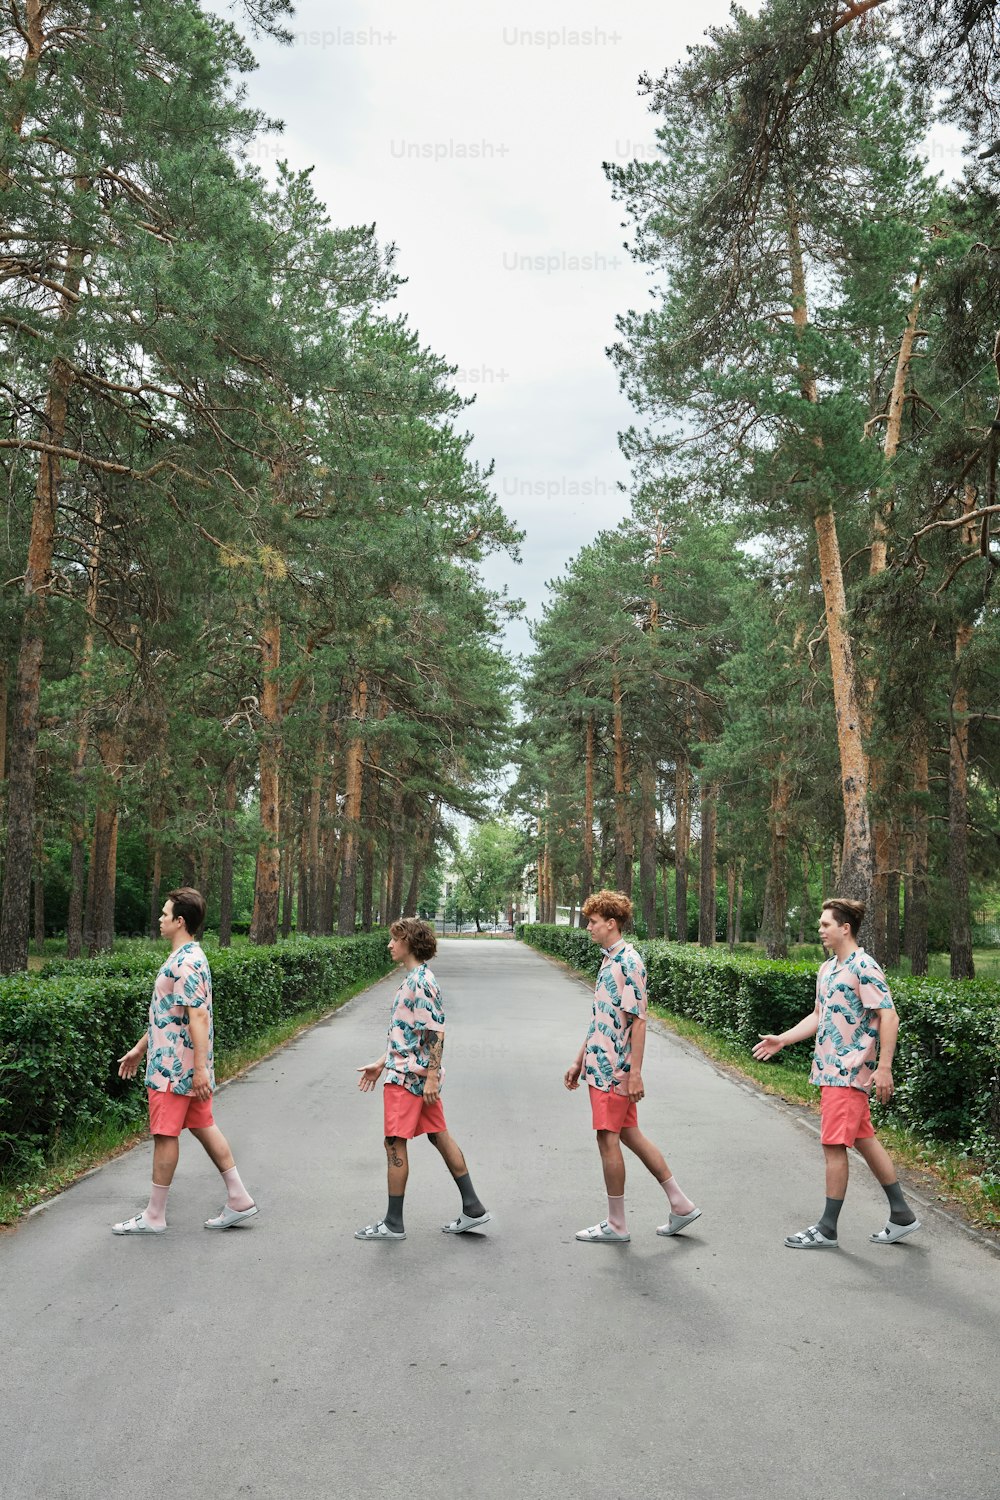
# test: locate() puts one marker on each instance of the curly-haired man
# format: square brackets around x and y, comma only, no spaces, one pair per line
[414,1074]
[611,1056]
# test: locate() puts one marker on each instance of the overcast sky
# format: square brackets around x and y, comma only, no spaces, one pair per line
[473,137]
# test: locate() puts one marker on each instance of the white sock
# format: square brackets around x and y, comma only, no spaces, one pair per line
[616,1213]
[679,1202]
[155,1211]
[237,1196]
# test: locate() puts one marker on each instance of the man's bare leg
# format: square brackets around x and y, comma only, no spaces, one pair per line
[451,1155]
[398,1171]
[219,1151]
[654,1161]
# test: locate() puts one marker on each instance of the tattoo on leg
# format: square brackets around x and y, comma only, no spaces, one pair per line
[394,1157]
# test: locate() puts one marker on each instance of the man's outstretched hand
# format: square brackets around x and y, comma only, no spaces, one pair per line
[767,1047]
[369,1076]
[128,1065]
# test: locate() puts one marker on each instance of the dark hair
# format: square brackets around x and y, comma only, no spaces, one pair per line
[613,906]
[850,912]
[189,904]
[417,936]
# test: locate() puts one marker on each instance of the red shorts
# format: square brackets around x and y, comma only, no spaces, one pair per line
[170,1113]
[407,1115]
[612,1111]
[844,1116]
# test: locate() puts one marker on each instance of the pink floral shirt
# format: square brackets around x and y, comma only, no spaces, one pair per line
[850,996]
[184,983]
[619,998]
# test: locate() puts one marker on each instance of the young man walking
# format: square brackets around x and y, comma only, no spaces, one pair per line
[855,1025]
[414,1074]
[611,1057]
[180,1077]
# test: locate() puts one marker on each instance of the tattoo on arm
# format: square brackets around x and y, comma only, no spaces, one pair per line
[434,1053]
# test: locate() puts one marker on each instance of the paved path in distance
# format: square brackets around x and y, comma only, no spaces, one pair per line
[285,1361]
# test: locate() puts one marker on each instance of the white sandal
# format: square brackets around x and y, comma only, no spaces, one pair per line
[893,1232]
[603,1234]
[677,1222]
[812,1238]
[137,1225]
[464,1222]
[379,1231]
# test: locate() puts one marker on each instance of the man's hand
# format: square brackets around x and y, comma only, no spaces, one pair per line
[201,1088]
[432,1087]
[370,1075]
[767,1047]
[884,1086]
[634,1088]
[571,1077]
[128,1065]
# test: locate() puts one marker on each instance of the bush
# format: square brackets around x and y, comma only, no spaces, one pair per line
[63,1030]
[947,1067]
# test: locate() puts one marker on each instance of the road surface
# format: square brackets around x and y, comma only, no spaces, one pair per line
[285,1359]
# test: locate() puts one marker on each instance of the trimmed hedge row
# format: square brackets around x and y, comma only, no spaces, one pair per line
[947,1067]
[62,1030]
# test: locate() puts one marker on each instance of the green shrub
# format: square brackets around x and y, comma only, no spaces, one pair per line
[63,1030]
[947,1067]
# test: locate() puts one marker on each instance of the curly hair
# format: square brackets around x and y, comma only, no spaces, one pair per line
[417,936]
[613,906]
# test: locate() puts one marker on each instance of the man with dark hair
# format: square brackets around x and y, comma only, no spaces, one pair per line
[180,1078]
[414,1074]
[612,1054]
[855,1025]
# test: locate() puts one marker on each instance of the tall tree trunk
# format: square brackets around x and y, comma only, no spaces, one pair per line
[354,787]
[39,891]
[587,859]
[304,924]
[739,902]
[331,841]
[647,853]
[315,818]
[226,877]
[856,858]
[155,869]
[775,917]
[682,839]
[623,822]
[111,750]
[707,885]
[917,902]
[264,923]
[962,965]
[731,905]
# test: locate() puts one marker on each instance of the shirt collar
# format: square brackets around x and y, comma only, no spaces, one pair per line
[614,948]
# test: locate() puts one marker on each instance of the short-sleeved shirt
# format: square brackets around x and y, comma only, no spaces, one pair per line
[417,1013]
[850,994]
[184,983]
[619,999]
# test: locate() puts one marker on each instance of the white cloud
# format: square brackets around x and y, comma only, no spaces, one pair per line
[478,152]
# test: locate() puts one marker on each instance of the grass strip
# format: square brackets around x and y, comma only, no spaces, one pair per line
[75,1155]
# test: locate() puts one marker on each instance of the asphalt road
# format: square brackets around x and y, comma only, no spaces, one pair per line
[285,1359]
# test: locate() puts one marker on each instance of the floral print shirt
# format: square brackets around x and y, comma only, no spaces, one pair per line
[850,994]
[417,1013]
[619,997]
[184,983]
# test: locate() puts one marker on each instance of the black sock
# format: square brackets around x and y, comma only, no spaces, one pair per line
[394,1213]
[831,1213]
[470,1203]
[901,1212]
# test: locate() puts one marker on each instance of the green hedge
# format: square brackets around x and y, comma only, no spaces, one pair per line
[947,1068]
[63,1029]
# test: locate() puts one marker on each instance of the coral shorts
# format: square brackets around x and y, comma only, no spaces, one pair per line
[844,1116]
[170,1113]
[612,1111]
[406,1114]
